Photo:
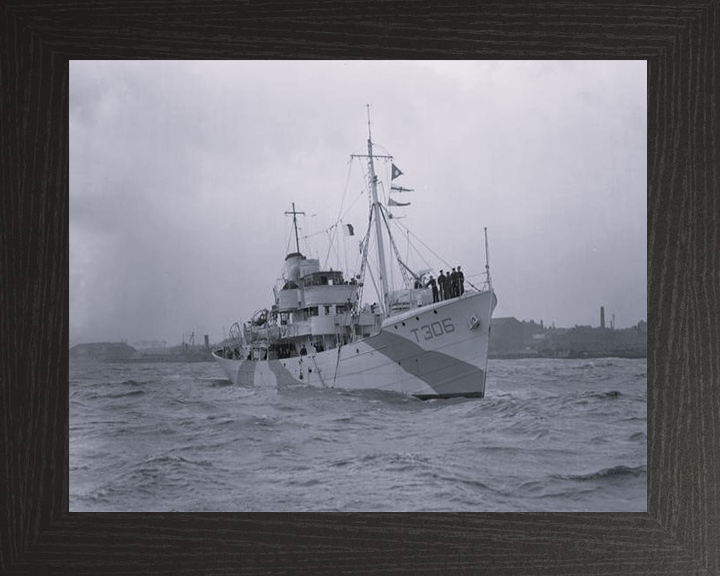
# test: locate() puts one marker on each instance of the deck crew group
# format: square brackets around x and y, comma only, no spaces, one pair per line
[447,286]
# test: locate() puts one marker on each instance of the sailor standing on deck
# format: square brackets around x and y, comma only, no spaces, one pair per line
[433,286]
[456,282]
[461,282]
[442,285]
[453,283]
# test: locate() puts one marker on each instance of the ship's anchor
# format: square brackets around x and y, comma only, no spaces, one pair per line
[474,322]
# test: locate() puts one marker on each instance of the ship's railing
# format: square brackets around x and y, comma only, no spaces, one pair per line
[479,282]
[298,329]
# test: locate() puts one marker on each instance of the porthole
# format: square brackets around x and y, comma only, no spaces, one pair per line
[417,318]
[403,323]
[434,311]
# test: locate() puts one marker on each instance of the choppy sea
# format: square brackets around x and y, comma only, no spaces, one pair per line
[550,435]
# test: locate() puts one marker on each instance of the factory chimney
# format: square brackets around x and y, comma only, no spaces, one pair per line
[602,317]
[207,342]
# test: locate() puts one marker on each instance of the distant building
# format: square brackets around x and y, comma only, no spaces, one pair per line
[587,341]
[149,344]
[506,335]
[533,333]
[584,339]
[150,347]
[511,338]
[102,351]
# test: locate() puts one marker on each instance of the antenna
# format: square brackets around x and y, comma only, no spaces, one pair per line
[368,114]
[295,213]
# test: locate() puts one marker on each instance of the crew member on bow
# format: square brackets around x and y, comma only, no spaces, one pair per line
[453,283]
[433,286]
[460,281]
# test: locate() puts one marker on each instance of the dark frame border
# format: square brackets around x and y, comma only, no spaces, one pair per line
[681,531]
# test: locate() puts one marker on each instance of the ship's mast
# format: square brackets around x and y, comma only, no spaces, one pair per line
[295,213]
[378,216]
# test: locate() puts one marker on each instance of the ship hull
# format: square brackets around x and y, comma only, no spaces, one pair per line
[437,351]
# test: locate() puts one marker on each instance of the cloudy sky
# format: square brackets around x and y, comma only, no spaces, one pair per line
[180,174]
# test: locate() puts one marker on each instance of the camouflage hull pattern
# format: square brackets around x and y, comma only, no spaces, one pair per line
[437,351]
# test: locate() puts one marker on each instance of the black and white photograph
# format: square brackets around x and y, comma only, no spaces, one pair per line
[358,286]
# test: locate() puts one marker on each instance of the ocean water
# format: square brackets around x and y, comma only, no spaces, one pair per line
[550,435]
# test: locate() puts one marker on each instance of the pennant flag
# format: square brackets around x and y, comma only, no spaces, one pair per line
[348,230]
[395,172]
[394,188]
[392,202]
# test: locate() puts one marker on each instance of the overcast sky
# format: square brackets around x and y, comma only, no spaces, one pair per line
[180,173]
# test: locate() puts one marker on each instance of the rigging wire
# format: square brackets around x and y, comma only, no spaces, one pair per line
[345,254]
[423,243]
[333,226]
[467,278]
[346,241]
[390,270]
[340,219]
[306,237]
[289,241]
[331,246]
[363,265]
[342,203]
[353,204]
[378,292]
[407,256]
[403,272]
[420,254]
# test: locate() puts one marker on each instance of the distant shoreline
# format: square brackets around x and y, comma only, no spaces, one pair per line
[570,356]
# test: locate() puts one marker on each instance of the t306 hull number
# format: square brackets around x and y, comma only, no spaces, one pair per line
[433,330]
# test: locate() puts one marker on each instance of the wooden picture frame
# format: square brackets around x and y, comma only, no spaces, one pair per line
[681,530]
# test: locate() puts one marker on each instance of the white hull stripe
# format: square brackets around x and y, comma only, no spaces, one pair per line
[443,373]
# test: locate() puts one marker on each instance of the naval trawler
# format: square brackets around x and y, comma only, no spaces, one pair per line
[319,331]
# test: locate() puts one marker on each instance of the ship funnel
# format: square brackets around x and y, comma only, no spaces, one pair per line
[291,270]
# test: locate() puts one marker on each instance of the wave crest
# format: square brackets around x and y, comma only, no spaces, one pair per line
[607,473]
